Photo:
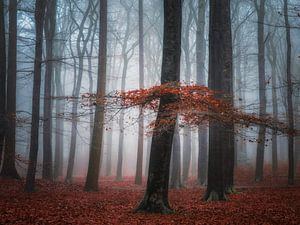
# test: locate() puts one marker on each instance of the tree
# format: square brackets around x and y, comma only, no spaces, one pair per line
[8,167]
[260,9]
[221,136]
[49,27]
[156,195]
[35,118]
[139,162]
[2,79]
[200,70]
[290,111]
[96,145]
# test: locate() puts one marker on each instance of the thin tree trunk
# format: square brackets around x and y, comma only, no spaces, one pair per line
[96,145]
[50,23]
[8,167]
[262,90]
[2,79]
[290,110]
[175,179]
[156,196]
[34,138]
[139,162]
[221,136]
[200,69]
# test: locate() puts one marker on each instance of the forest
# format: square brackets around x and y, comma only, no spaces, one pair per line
[150,112]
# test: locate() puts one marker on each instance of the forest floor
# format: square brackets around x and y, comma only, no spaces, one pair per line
[269,202]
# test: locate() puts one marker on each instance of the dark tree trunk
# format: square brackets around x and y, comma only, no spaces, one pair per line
[262,89]
[2,79]
[34,138]
[8,167]
[290,111]
[49,27]
[175,179]
[139,162]
[200,69]
[91,183]
[221,136]
[156,196]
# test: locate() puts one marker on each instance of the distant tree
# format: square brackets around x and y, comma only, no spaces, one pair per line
[96,145]
[35,118]
[2,79]
[156,195]
[8,167]
[221,136]
[49,27]
[200,75]
[139,162]
[290,111]
[260,9]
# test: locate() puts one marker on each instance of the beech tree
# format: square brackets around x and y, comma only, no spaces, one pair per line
[96,145]
[35,118]
[221,136]
[156,194]
[2,79]
[8,167]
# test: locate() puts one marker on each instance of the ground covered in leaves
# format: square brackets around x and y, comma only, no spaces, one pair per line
[268,202]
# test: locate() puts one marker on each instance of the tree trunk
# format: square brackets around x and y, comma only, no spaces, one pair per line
[221,136]
[96,145]
[272,58]
[50,20]
[8,167]
[34,138]
[139,162]
[200,69]
[156,196]
[290,111]
[109,138]
[262,90]
[175,179]
[2,79]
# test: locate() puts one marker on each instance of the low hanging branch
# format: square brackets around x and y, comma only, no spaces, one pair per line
[195,104]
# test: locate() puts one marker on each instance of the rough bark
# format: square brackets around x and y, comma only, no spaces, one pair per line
[34,138]
[139,162]
[8,167]
[200,69]
[290,110]
[262,89]
[221,136]
[156,196]
[49,27]
[91,183]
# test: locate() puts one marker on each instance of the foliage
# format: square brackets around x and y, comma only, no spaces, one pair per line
[197,105]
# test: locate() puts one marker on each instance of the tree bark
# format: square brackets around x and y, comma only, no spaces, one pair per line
[139,162]
[34,138]
[2,79]
[49,27]
[221,136]
[8,167]
[262,89]
[156,196]
[175,179]
[290,111]
[91,183]
[200,69]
